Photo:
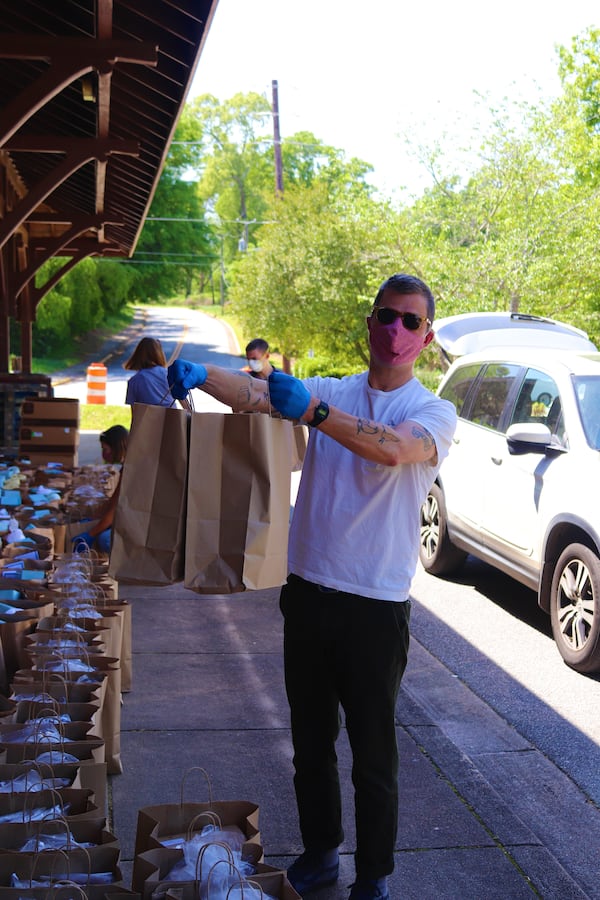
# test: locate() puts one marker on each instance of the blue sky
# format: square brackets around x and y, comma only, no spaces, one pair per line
[361,76]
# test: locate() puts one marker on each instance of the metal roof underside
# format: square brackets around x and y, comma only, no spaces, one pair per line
[90,93]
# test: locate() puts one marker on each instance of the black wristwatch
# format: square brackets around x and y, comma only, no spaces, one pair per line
[320,414]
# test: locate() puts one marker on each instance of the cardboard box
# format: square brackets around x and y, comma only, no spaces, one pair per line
[49,409]
[38,457]
[36,436]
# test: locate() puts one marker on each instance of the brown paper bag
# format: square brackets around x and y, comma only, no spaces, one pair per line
[60,533]
[148,531]
[14,630]
[106,669]
[171,820]
[72,529]
[151,869]
[238,502]
[74,803]
[88,751]
[300,443]
[90,776]
[14,835]
[74,864]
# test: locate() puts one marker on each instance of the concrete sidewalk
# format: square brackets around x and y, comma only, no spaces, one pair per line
[208,691]
[483,814]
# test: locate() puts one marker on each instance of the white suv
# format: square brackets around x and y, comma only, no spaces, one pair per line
[520,487]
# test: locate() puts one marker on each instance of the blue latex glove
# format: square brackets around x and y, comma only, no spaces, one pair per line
[81,541]
[288,395]
[183,376]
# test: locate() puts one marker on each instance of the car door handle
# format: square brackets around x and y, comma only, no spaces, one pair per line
[496,460]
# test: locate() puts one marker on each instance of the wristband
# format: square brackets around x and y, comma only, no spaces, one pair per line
[320,414]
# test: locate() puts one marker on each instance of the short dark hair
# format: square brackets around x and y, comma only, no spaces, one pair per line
[147,354]
[257,344]
[116,438]
[400,283]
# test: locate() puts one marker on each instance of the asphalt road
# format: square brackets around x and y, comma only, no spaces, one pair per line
[485,628]
[488,630]
[188,333]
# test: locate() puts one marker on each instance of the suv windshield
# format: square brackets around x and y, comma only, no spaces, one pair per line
[587,392]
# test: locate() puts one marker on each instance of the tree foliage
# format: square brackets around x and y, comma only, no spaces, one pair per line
[177,250]
[515,229]
[310,284]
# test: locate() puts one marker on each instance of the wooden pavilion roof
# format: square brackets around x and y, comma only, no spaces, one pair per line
[90,93]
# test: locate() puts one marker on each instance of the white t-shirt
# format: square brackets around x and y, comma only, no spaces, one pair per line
[355,525]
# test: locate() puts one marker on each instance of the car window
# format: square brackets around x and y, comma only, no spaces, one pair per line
[539,401]
[458,385]
[587,391]
[492,393]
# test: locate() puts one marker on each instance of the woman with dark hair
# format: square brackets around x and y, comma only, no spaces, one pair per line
[149,384]
[113,442]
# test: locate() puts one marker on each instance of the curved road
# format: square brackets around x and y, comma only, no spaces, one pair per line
[188,333]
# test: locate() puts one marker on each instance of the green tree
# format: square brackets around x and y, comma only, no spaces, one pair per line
[177,250]
[237,170]
[310,283]
[52,327]
[306,160]
[235,167]
[515,234]
[115,283]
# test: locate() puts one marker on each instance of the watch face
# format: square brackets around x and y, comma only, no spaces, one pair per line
[320,414]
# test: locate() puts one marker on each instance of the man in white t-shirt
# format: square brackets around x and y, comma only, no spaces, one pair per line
[376,443]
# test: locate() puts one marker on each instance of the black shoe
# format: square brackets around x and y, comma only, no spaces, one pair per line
[374,889]
[314,869]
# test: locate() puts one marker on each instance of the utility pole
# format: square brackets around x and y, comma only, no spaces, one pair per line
[285,361]
[277,141]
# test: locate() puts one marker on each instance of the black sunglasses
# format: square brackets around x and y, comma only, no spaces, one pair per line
[412,322]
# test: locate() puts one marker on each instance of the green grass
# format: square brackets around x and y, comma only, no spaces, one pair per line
[99,417]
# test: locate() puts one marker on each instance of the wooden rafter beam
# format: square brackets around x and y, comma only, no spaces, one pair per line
[69,58]
[80,152]
[96,52]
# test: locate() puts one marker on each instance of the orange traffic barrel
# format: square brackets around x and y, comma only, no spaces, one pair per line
[96,383]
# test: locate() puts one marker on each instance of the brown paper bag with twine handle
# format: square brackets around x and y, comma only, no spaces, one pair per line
[169,820]
[238,502]
[149,526]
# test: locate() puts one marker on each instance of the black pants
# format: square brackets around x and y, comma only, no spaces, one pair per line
[345,649]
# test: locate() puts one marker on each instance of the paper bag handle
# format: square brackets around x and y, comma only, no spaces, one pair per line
[212,817]
[206,776]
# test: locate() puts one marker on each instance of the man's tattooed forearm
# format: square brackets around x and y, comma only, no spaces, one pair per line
[419,432]
[248,396]
[364,426]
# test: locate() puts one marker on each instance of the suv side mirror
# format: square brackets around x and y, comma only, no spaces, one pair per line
[529,437]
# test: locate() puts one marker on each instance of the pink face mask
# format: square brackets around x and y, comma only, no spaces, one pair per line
[394,345]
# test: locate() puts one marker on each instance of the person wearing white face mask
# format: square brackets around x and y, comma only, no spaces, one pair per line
[377,440]
[257,354]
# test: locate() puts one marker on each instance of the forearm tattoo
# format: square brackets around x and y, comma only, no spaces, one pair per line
[248,396]
[365,426]
[422,434]
[383,434]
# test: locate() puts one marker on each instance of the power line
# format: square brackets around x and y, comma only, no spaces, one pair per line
[155,262]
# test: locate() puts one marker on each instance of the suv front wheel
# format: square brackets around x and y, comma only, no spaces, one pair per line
[575,609]
[437,553]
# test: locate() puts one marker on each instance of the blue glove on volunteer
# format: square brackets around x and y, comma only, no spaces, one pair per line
[288,395]
[81,541]
[183,376]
